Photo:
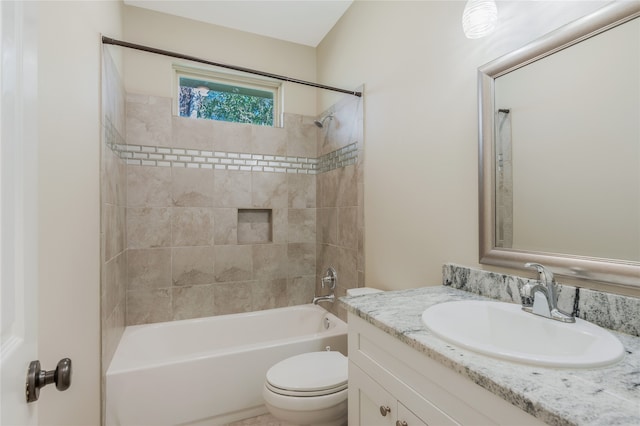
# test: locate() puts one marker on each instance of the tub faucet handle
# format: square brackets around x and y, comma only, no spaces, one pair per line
[330,278]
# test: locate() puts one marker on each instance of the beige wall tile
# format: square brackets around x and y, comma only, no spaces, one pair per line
[193,302]
[231,298]
[280,225]
[192,133]
[302,191]
[191,187]
[347,187]
[269,190]
[302,259]
[114,231]
[302,225]
[347,227]
[149,268]
[148,186]
[269,261]
[192,265]
[233,263]
[300,290]
[148,120]
[114,284]
[109,175]
[327,189]
[327,225]
[148,306]
[232,137]
[148,227]
[231,189]
[302,135]
[268,294]
[225,226]
[191,226]
[269,140]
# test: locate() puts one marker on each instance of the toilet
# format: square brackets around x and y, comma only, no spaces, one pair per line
[308,389]
[311,388]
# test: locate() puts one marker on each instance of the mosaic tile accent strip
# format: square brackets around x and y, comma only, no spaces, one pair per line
[339,158]
[142,155]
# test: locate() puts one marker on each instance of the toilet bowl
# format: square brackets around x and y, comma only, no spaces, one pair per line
[308,389]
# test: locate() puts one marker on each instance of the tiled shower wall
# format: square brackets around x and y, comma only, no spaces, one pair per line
[206,218]
[113,198]
[340,201]
[221,217]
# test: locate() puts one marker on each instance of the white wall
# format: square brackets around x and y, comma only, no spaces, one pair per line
[419,71]
[69,201]
[152,74]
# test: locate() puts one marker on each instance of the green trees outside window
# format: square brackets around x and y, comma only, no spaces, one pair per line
[214,101]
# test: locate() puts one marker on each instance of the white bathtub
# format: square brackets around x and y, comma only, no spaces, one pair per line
[209,371]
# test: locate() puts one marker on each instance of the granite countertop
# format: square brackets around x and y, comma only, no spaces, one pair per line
[558,396]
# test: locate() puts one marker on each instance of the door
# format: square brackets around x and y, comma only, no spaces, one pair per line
[18,209]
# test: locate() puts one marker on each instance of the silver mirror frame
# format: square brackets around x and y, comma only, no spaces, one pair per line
[614,271]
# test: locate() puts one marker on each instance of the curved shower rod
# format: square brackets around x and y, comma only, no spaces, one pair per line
[107,40]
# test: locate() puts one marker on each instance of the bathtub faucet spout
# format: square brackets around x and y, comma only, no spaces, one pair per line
[330,298]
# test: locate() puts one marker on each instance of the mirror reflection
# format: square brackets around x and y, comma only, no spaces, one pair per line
[560,151]
[567,150]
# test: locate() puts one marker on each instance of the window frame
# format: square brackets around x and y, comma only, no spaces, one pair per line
[231,79]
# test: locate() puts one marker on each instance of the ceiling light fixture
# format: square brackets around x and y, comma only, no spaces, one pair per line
[479,18]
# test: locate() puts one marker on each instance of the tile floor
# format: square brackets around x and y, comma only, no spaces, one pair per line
[264,420]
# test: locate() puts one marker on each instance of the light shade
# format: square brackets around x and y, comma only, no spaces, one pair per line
[479,18]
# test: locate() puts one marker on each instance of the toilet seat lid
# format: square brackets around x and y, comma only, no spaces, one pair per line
[310,372]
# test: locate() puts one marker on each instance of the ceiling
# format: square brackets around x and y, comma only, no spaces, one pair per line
[298,21]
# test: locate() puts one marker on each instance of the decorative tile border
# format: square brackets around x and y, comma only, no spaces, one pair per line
[342,157]
[156,156]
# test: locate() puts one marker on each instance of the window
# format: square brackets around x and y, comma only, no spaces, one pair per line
[225,97]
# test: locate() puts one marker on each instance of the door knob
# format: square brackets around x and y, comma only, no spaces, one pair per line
[384,410]
[37,378]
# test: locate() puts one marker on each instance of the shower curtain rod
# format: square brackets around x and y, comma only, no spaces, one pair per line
[107,40]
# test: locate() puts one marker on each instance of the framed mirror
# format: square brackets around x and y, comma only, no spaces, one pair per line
[559,145]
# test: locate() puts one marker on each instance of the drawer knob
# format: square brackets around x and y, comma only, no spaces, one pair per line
[384,410]
[401,423]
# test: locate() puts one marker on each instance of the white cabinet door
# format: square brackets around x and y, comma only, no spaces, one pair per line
[369,403]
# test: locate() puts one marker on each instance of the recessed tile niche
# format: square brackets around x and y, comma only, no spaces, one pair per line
[255,226]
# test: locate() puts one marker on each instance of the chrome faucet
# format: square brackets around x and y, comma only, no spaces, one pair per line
[330,279]
[542,298]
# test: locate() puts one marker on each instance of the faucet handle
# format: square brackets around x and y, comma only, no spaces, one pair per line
[330,278]
[544,274]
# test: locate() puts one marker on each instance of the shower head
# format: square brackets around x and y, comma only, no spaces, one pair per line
[320,123]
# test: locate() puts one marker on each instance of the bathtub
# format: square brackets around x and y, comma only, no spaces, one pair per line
[209,371]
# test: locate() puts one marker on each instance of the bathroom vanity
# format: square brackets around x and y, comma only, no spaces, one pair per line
[402,374]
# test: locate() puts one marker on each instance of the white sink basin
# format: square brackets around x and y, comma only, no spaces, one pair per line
[504,330]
